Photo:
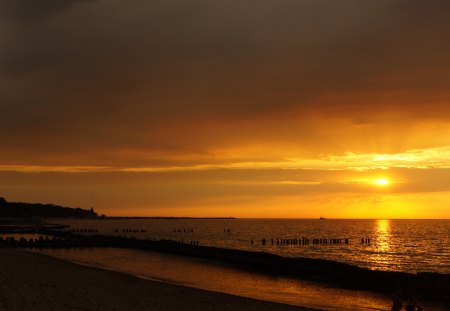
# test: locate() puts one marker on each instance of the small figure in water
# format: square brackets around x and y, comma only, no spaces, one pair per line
[397,301]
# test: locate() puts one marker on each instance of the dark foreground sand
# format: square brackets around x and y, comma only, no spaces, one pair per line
[37,282]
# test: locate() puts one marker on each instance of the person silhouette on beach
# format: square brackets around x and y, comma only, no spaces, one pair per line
[411,303]
[397,301]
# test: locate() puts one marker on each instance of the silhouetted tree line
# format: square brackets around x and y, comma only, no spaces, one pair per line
[27,210]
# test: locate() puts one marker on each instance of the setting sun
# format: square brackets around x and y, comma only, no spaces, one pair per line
[310,139]
[215,119]
[382,182]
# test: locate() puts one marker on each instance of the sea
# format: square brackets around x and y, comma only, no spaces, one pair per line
[390,245]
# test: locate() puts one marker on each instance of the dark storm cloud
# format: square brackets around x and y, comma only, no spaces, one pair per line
[33,10]
[108,79]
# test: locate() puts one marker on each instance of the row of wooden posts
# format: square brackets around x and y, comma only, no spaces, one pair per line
[178,230]
[272,241]
[183,230]
[84,230]
[129,230]
[306,241]
[194,243]
[116,230]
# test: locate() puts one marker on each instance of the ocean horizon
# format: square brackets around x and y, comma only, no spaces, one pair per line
[412,246]
[401,245]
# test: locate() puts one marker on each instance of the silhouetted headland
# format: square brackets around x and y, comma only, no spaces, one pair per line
[39,210]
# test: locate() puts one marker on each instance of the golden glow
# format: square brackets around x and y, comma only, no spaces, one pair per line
[382,182]
[431,158]
[215,131]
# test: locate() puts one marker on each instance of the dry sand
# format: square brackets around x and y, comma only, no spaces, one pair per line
[38,282]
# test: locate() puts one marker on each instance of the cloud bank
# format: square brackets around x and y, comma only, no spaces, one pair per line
[169,82]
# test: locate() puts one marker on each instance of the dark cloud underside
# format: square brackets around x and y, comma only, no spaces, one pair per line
[131,82]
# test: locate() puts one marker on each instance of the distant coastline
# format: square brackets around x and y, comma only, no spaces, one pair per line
[163,217]
[27,211]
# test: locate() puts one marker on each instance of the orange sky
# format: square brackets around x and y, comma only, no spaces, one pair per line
[238,108]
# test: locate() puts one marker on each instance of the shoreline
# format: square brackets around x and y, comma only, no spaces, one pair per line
[224,278]
[433,287]
[41,282]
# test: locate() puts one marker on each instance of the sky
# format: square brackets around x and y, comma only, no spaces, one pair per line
[244,108]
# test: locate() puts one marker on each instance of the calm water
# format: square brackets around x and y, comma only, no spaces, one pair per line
[398,245]
[219,277]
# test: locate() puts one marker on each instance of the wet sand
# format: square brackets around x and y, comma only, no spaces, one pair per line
[38,282]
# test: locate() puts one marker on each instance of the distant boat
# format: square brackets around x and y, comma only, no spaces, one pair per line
[322,218]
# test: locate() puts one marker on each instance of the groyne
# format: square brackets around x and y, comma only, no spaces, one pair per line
[432,286]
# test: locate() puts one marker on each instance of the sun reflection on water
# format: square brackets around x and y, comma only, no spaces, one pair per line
[382,256]
[383,235]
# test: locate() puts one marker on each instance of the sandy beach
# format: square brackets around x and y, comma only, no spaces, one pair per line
[38,282]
